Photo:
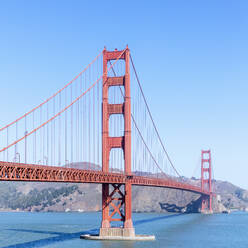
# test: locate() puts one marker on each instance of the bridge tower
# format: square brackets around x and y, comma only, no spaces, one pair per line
[206,180]
[112,195]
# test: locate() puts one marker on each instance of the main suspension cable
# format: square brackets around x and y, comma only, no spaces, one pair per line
[54,95]
[149,112]
[63,110]
[139,132]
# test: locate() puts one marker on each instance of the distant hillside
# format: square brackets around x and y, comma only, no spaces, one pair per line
[19,196]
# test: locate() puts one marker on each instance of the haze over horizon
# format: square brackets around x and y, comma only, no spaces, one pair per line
[191,58]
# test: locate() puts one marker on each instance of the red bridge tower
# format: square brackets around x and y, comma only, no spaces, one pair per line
[113,197]
[206,180]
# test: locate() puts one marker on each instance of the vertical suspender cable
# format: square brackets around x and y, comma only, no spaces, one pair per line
[59,133]
[71,128]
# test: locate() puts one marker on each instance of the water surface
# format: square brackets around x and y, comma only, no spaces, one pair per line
[62,230]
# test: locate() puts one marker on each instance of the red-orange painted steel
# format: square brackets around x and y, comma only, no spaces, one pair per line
[206,179]
[40,173]
[109,143]
[116,187]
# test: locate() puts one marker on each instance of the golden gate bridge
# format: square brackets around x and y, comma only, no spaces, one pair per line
[98,128]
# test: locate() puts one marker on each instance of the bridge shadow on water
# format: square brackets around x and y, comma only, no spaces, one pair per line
[139,222]
[61,236]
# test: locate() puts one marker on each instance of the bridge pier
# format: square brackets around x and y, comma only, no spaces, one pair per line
[114,200]
[206,205]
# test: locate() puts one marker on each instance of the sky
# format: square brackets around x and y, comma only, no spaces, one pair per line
[191,57]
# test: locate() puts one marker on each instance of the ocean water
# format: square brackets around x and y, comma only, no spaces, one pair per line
[62,230]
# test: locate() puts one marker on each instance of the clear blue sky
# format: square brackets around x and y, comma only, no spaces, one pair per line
[192,58]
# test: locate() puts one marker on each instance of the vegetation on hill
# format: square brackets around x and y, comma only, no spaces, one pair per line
[19,196]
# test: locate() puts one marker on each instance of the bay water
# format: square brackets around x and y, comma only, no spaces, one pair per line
[62,230]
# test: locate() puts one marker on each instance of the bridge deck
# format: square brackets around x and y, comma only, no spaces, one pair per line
[39,173]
